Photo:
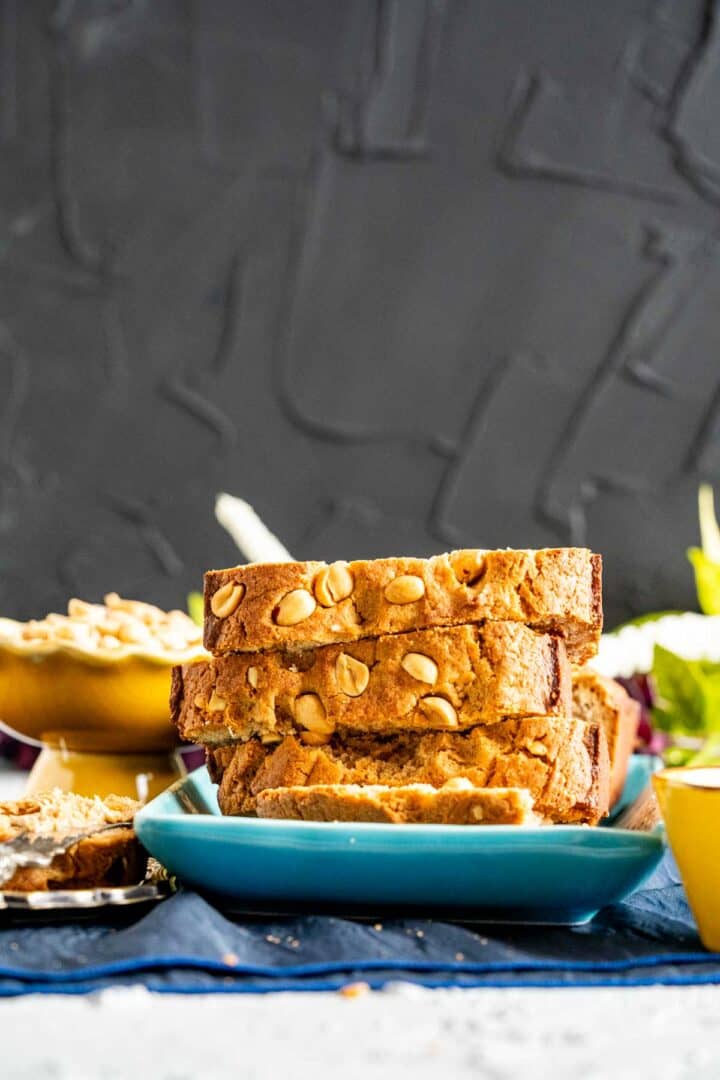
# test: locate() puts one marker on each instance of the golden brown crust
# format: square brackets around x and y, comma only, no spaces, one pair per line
[218,759]
[597,698]
[108,859]
[456,803]
[562,763]
[106,853]
[556,589]
[389,683]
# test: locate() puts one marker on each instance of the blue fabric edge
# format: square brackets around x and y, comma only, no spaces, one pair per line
[151,963]
[331,985]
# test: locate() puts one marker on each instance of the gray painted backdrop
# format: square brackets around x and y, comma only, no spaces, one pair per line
[405,274]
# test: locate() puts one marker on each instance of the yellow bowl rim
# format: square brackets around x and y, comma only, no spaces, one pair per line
[109,658]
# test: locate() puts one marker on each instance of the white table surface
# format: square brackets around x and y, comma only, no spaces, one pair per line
[641,1034]
[656,1032]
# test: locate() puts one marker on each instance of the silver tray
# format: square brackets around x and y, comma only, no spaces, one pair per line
[55,903]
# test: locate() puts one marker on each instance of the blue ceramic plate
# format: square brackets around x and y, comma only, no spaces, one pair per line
[555,874]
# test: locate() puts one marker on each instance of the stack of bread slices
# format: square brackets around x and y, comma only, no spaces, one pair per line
[446,690]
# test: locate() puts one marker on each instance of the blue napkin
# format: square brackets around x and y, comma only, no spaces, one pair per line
[185,945]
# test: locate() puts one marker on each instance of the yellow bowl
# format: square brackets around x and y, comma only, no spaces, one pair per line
[123,701]
[140,776]
[690,805]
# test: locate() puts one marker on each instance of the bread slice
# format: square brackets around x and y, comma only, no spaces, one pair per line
[562,763]
[453,677]
[306,604]
[83,842]
[597,698]
[456,803]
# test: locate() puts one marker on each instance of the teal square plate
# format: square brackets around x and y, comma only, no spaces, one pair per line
[560,874]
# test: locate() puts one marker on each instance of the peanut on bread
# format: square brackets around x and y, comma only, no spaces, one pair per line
[302,605]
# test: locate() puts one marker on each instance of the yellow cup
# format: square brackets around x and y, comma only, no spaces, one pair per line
[690,805]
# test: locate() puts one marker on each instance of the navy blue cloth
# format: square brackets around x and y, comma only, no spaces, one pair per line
[186,945]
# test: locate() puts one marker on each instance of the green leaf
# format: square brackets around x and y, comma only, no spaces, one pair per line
[676,756]
[679,685]
[688,695]
[706,559]
[707,581]
[195,607]
[710,753]
[688,691]
[711,688]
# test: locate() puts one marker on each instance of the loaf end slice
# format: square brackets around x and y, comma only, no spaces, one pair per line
[93,839]
[604,701]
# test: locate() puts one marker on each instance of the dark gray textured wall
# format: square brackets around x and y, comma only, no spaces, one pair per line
[404,274]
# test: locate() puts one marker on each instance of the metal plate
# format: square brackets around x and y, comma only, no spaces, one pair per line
[55,903]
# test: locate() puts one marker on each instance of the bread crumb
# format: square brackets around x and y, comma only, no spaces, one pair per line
[354,990]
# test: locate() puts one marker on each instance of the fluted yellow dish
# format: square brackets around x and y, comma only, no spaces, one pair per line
[690,804]
[57,691]
[92,687]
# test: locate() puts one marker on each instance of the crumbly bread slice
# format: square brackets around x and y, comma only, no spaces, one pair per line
[219,758]
[454,677]
[563,763]
[96,843]
[456,803]
[597,698]
[306,604]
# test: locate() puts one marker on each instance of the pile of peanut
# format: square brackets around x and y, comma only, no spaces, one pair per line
[115,626]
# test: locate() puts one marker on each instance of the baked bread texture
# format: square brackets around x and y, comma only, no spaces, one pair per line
[456,803]
[448,678]
[597,698]
[90,841]
[306,604]
[562,763]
